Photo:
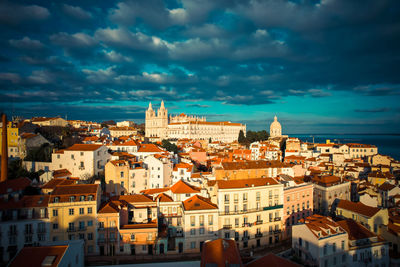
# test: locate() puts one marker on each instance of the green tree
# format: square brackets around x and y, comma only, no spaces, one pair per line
[242,139]
[169,147]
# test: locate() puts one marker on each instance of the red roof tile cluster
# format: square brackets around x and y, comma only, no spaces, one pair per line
[221,253]
[34,256]
[61,173]
[271,260]
[358,207]
[164,198]
[150,148]
[197,202]
[134,198]
[322,226]
[355,230]
[243,183]
[14,185]
[63,192]
[182,187]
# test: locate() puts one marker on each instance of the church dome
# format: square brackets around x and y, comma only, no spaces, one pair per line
[275,129]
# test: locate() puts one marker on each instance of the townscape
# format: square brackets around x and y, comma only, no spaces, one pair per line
[182,188]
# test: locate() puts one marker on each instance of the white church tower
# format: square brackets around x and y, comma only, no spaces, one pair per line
[156,125]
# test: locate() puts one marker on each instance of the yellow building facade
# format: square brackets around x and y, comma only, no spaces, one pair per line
[12,137]
[73,214]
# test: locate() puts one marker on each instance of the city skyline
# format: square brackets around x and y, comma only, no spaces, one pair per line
[320,66]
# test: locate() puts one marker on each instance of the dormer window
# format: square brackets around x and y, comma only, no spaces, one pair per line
[56,200]
[328,231]
[319,234]
[71,198]
[82,198]
[90,198]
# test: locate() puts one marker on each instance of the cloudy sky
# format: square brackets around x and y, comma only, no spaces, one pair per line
[329,66]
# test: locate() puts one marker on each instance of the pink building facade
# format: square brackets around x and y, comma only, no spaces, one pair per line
[297,204]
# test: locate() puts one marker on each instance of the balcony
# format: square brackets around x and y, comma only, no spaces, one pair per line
[245,238]
[71,230]
[236,212]
[277,231]
[101,240]
[41,231]
[277,218]
[227,226]
[259,235]
[246,225]
[258,222]
[273,207]
[82,228]
[30,232]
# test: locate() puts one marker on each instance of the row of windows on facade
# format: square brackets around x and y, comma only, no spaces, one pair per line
[82,165]
[298,207]
[258,220]
[71,225]
[12,229]
[245,196]
[71,211]
[299,215]
[258,206]
[73,198]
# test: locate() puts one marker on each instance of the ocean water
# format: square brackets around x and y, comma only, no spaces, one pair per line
[387,144]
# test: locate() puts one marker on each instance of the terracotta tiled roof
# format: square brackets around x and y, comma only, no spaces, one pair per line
[35,201]
[34,256]
[243,183]
[134,198]
[130,143]
[355,230]
[150,148]
[83,147]
[77,190]
[326,179]
[271,260]
[221,253]
[164,198]
[358,207]
[109,207]
[61,173]
[182,187]
[260,164]
[153,191]
[119,162]
[187,166]
[13,185]
[197,202]
[324,226]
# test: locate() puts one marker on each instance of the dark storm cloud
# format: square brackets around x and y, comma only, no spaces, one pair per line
[234,52]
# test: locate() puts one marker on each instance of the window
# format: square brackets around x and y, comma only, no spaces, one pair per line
[89,210]
[307,245]
[55,226]
[82,198]
[71,226]
[81,210]
[201,220]
[192,231]
[227,209]
[81,236]
[334,247]
[122,174]
[244,197]
[236,222]
[81,225]
[71,198]
[90,198]
[226,198]
[56,199]
[342,245]
[90,236]
[90,223]
[210,230]
[343,258]
[300,242]
[192,221]
[245,207]
[55,213]
[192,245]
[210,220]
[132,237]
[355,257]
[201,231]
[81,165]
[257,196]
[90,249]
[71,211]
[227,235]
[325,249]
[81,153]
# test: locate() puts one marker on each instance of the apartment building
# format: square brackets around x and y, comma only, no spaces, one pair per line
[320,241]
[370,217]
[365,248]
[200,222]
[160,170]
[182,171]
[108,222]
[328,188]
[73,214]
[250,210]
[82,160]
[23,222]
[298,201]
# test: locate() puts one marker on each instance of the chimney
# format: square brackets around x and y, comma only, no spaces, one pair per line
[4,150]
